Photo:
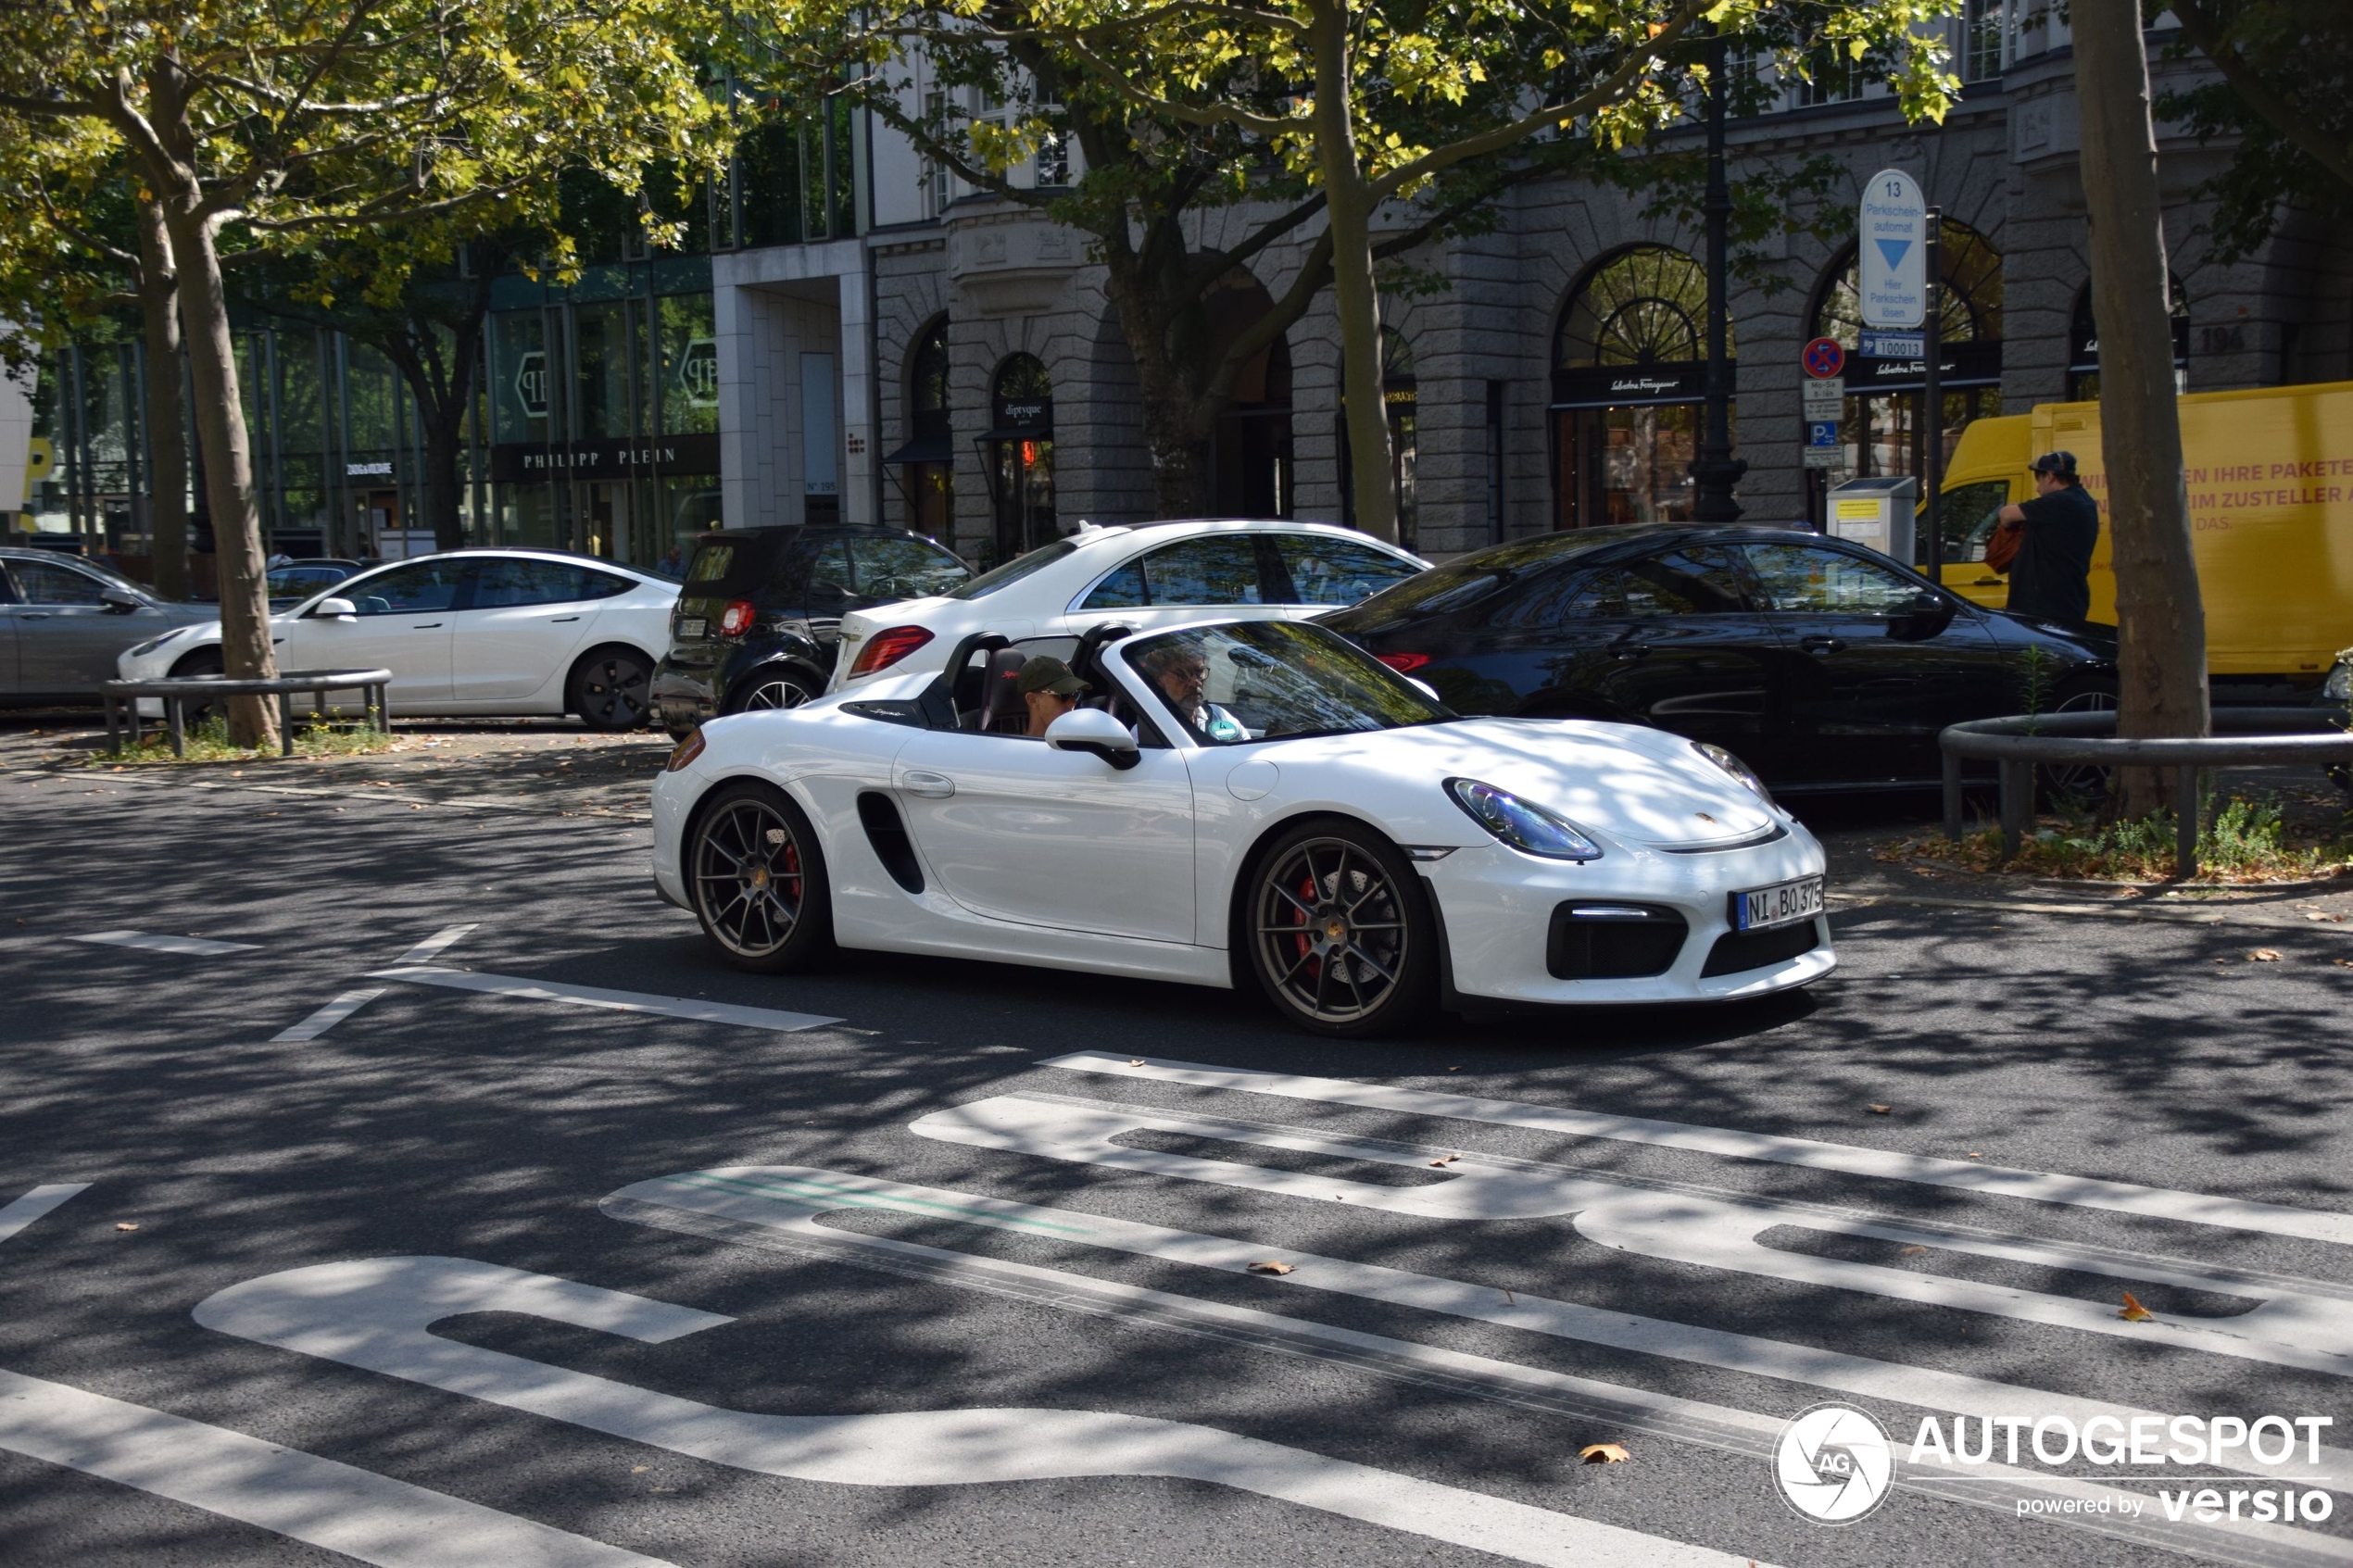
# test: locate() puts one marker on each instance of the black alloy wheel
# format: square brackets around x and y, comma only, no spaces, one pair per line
[609,690]
[770,689]
[2080,783]
[756,880]
[1340,934]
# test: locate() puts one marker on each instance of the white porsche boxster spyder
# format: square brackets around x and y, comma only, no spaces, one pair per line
[1234,803]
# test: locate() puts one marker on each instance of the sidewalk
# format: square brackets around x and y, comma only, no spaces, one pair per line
[536,765]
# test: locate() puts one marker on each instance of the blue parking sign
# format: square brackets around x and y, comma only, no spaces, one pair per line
[1822,432]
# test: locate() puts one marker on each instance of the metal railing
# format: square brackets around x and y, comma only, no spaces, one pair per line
[2248,737]
[175,691]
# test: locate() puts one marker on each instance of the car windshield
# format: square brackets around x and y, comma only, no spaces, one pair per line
[1275,680]
[1013,571]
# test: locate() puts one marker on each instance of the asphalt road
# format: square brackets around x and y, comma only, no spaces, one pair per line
[997,1306]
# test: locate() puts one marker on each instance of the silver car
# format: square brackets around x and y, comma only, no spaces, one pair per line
[64,622]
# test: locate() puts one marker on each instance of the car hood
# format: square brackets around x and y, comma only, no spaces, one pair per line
[1634,785]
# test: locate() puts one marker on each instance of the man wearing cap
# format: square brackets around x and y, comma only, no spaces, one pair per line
[1049,690]
[2051,579]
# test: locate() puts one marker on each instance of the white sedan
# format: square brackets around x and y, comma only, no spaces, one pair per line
[1242,803]
[468,632]
[1151,574]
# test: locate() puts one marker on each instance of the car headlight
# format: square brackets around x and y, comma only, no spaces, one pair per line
[2340,683]
[1525,826]
[143,649]
[1735,766]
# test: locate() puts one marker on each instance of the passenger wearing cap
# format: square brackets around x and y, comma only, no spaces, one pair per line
[2051,578]
[1049,690]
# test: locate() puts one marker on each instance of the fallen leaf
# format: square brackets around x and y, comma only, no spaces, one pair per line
[639,1469]
[1909,1250]
[1603,1453]
[2341,963]
[126,1224]
[1446,1160]
[2264,955]
[1974,1155]
[1453,1069]
[2134,1312]
[1135,1061]
[1270,1267]
[1880,1109]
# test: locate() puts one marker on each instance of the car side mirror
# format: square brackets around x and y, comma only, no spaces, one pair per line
[117,602]
[1923,617]
[1092,731]
[335,609]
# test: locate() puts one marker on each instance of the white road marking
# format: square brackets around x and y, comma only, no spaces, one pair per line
[2303,1324]
[156,943]
[792,1194]
[301,1496]
[327,1017]
[376,1314]
[34,1204]
[788,1224]
[434,945]
[1995,1181]
[619,1001]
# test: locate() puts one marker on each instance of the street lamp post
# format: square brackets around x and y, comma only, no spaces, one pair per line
[1715,470]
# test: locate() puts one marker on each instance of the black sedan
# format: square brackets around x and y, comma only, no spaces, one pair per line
[1821,664]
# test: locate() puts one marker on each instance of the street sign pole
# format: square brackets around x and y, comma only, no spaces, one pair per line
[1932,396]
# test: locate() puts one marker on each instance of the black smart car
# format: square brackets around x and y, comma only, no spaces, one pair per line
[1821,664]
[758,614]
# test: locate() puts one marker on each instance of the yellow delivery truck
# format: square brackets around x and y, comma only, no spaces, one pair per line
[2271,486]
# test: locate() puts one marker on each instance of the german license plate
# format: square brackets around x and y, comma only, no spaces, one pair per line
[1784,903]
[691,628]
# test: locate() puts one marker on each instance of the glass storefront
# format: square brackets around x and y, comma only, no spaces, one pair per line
[1019,451]
[1628,376]
[605,412]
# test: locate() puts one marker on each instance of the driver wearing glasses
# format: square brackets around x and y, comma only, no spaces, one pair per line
[1182,673]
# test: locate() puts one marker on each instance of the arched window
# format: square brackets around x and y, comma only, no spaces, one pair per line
[1629,372]
[1882,432]
[1019,450]
[2083,345]
[925,465]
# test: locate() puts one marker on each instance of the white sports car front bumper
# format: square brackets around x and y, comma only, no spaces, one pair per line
[1500,906]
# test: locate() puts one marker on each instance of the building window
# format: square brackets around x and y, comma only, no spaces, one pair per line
[1984,26]
[1630,371]
[936,189]
[1833,75]
[2083,345]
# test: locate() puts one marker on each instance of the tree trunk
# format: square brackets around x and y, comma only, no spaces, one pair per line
[245,653]
[165,417]
[1349,209]
[2161,664]
[443,420]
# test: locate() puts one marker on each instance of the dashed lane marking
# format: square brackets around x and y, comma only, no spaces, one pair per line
[788,1225]
[34,1204]
[1993,1181]
[376,1314]
[437,943]
[155,943]
[300,1496]
[327,1017]
[618,1001]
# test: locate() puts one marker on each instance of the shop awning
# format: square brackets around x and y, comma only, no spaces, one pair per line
[933,448]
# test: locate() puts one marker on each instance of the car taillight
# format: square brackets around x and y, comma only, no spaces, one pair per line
[887,648]
[1403,663]
[736,618]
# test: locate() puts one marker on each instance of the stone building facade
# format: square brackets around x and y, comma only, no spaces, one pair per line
[992,401]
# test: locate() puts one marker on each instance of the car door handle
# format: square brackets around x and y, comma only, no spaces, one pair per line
[931,786]
[561,619]
[35,615]
[1636,650]
[1820,643]
[1986,583]
[423,625]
